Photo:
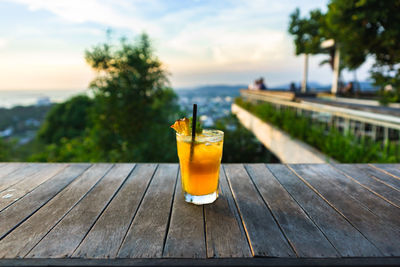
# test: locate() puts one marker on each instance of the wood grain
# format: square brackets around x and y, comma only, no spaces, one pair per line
[19,189]
[65,237]
[374,203]
[371,182]
[345,238]
[377,230]
[226,262]
[2,164]
[388,174]
[8,167]
[127,214]
[225,235]
[303,234]
[15,214]
[6,170]
[106,236]
[13,173]
[266,239]
[20,241]
[186,237]
[392,170]
[148,230]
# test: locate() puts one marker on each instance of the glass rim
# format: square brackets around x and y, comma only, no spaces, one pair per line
[215,136]
[215,131]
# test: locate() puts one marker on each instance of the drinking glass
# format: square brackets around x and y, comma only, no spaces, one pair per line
[200,163]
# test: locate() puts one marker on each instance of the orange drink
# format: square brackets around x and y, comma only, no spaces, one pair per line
[200,163]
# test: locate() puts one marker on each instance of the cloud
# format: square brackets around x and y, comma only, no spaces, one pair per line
[193,38]
[3,42]
[237,37]
[102,12]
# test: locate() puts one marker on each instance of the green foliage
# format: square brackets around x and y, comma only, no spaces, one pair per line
[342,147]
[66,120]
[362,28]
[128,118]
[24,121]
[240,145]
[78,149]
[388,79]
[3,150]
[133,104]
[199,127]
[367,27]
[17,118]
[370,28]
[307,32]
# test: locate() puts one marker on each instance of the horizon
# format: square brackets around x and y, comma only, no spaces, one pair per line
[235,41]
[314,84]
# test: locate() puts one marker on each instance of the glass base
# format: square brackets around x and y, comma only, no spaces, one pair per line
[201,200]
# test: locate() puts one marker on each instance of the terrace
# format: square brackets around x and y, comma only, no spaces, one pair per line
[273,117]
[135,215]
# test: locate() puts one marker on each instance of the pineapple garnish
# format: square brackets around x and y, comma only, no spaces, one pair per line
[182,126]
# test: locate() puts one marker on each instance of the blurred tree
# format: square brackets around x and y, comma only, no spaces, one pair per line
[129,117]
[366,27]
[309,33]
[370,28]
[133,103]
[362,28]
[66,120]
[3,151]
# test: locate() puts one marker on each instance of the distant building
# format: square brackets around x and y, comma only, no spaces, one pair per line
[43,101]
[7,132]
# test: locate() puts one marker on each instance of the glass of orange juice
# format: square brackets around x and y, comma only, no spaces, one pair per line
[200,163]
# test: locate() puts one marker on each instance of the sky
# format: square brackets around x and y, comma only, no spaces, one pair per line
[200,42]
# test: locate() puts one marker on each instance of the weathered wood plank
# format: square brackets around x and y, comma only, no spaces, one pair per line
[20,241]
[25,207]
[377,230]
[303,234]
[266,239]
[2,164]
[21,188]
[185,237]
[221,218]
[148,230]
[391,169]
[377,205]
[106,236]
[370,182]
[13,173]
[386,173]
[345,238]
[225,262]
[65,237]
[7,169]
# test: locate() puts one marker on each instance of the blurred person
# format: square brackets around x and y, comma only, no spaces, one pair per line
[260,84]
[348,89]
[253,85]
[292,87]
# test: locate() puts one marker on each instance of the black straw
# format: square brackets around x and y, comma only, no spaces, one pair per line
[194,118]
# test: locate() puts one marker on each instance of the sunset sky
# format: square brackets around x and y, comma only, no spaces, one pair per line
[42,42]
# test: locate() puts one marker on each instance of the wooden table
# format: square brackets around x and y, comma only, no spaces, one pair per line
[134,214]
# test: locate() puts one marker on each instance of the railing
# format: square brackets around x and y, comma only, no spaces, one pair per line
[360,123]
[286,148]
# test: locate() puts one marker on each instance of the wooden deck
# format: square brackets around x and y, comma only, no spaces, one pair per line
[134,214]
